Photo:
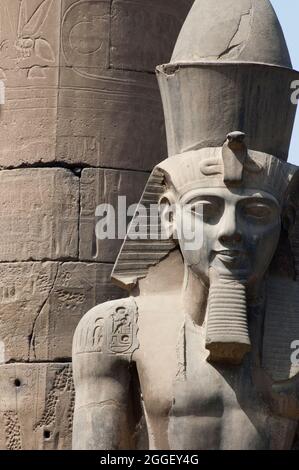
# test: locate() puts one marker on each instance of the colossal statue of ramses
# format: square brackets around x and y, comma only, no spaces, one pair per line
[199,356]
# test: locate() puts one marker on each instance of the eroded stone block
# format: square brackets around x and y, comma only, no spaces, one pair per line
[85,38]
[98,187]
[36,406]
[42,303]
[112,120]
[29,59]
[30,37]
[144,32]
[39,214]
[73,96]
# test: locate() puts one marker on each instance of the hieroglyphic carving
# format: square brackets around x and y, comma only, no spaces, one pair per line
[68,78]
[75,84]
[53,417]
[121,334]
[40,423]
[110,329]
[12,430]
[126,102]
[41,304]
[91,336]
[135,45]
[38,221]
[103,187]
[29,58]
[236,337]
[126,35]
[26,42]
[85,35]
[30,44]
[103,98]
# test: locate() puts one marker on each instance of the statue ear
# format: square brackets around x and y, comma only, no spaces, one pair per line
[167,210]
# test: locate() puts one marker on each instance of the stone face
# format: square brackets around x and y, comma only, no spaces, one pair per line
[209,329]
[80,92]
[74,97]
[39,214]
[42,303]
[201,317]
[36,406]
[100,186]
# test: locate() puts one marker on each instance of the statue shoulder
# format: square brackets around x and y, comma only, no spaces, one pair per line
[109,328]
[281,328]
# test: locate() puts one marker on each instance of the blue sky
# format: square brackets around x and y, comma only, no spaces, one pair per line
[288,14]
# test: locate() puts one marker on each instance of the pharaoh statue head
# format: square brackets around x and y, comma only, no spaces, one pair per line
[229,117]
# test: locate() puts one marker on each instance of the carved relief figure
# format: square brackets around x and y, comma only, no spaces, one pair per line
[22,42]
[199,355]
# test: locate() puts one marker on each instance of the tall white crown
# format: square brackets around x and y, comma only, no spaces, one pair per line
[230,70]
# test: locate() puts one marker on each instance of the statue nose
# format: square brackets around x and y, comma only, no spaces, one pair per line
[229,231]
[230,238]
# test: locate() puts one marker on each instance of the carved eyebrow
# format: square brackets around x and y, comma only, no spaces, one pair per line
[263,197]
[200,197]
[259,200]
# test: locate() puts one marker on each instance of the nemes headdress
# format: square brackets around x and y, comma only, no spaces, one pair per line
[230,76]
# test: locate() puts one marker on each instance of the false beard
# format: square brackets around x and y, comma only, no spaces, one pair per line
[227,333]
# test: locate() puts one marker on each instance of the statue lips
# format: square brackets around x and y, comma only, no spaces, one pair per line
[229,256]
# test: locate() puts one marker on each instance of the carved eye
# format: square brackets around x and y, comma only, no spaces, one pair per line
[209,210]
[257,210]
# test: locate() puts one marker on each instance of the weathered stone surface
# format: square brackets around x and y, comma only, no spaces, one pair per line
[85,33]
[103,187]
[29,60]
[294,238]
[238,43]
[247,30]
[74,97]
[30,35]
[144,32]
[39,214]
[209,333]
[113,120]
[42,303]
[36,406]
[204,314]
[65,99]
[221,87]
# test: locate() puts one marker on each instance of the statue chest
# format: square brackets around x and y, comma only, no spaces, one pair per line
[192,404]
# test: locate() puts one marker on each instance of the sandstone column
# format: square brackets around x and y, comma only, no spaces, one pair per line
[82,124]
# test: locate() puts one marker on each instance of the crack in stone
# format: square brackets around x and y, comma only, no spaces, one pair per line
[103,404]
[80,216]
[75,168]
[31,337]
[229,48]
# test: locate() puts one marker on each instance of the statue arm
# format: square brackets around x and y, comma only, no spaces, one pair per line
[103,419]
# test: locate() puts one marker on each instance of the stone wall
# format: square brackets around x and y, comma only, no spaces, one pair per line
[82,123]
